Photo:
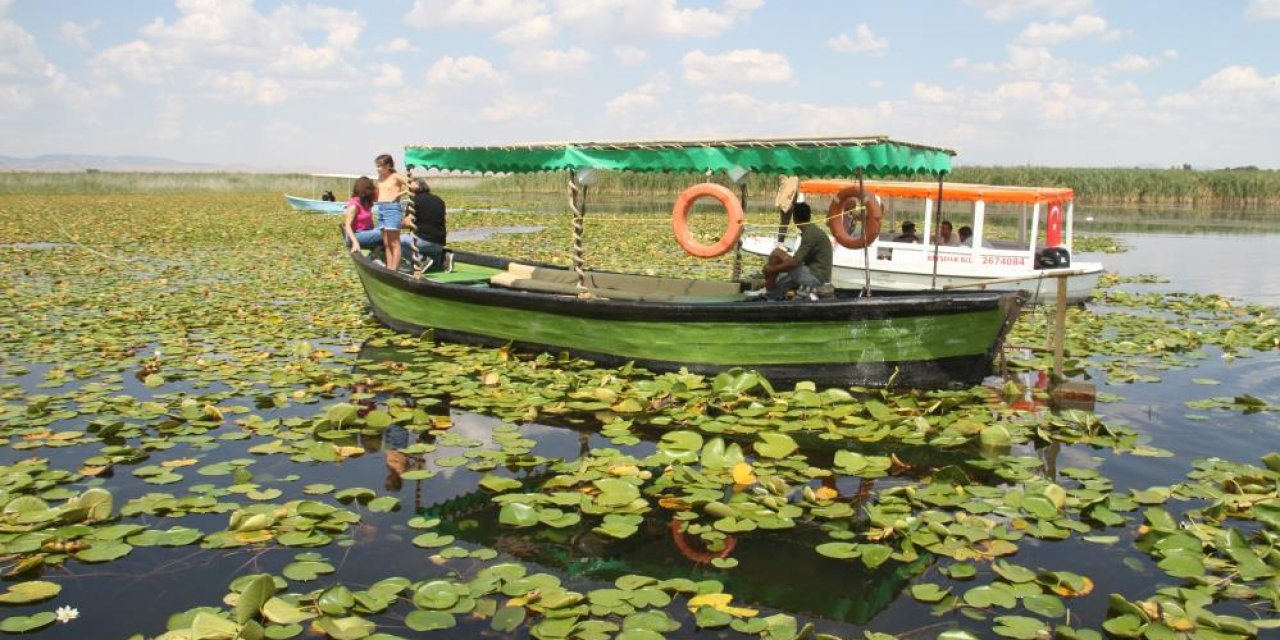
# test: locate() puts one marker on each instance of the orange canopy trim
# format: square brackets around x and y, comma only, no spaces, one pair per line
[950,191]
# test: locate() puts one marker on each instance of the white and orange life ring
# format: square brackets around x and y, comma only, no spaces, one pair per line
[1053,225]
[870,223]
[680,220]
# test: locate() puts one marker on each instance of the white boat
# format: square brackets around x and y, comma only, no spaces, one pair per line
[315,206]
[1021,236]
[312,205]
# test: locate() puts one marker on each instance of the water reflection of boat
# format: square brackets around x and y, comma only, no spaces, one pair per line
[933,339]
[1041,221]
[780,570]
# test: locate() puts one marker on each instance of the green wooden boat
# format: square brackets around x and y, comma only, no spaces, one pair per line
[924,339]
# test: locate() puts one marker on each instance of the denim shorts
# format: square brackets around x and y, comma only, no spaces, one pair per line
[390,215]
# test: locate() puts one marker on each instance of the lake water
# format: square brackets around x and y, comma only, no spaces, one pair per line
[1232,253]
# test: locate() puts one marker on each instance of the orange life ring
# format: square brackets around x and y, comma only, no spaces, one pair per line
[1053,225]
[700,556]
[870,225]
[680,220]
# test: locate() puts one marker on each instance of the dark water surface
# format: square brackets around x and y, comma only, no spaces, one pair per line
[1236,254]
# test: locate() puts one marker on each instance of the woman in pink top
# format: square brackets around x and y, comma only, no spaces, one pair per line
[358,221]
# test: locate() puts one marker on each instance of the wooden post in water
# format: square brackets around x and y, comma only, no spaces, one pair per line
[1060,329]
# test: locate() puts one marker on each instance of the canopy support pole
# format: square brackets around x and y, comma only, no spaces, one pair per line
[578,204]
[866,243]
[411,225]
[937,220]
[737,247]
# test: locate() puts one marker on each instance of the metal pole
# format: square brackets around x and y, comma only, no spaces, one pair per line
[737,248]
[866,242]
[937,220]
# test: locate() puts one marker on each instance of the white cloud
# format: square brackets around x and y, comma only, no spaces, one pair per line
[245,86]
[638,19]
[863,41]
[1053,33]
[1263,10]
[1134,63]
[428,14]
[387,76]
[462,70]
[931,93]
[1239,79]
[1026,61]
[397,45]
[738,66]
[1001,10]
[513,107]
[27,77]
[642,99]
[76,34]
[228,36]
[572,60]
[535,29]
[630,56]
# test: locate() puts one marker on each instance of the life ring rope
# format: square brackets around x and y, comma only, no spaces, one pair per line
[871,217]
[733,214]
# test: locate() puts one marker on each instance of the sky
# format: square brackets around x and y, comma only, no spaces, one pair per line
[328,84]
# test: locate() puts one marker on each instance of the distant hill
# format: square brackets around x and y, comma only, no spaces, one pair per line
[75,162]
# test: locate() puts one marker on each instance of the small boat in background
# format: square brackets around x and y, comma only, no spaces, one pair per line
[1021,239]
[313,205]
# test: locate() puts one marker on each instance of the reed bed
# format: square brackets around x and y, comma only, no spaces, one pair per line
[1234,187]
[1092,185]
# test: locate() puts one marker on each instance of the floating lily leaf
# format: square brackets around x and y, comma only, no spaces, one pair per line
[23,624]
[30,591]
[775,445]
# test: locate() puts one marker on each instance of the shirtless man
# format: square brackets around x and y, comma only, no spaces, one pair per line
[390,214]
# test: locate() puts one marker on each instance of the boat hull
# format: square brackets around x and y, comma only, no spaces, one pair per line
[315,206]
[1038,284]
[956,267]
[929,341]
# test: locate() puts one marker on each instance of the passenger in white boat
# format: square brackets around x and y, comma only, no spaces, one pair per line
[945,237]
[908,233]
[809,270]
[966,236]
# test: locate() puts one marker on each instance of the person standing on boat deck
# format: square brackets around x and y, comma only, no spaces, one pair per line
[809,268]
[908,233]
[966,236]
[945,238]
[357,223]
[390,215]
[429,214]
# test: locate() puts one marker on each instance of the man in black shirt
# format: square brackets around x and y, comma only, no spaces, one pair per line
[429,215]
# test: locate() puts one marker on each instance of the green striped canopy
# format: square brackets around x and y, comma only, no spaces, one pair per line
[816,157]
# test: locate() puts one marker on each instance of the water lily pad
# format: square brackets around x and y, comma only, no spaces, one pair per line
[775,445]
[420,620]
[23,624]
[30,591]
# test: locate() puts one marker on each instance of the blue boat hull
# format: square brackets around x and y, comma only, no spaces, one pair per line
[315,206]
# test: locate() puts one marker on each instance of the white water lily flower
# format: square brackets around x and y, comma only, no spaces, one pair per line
[66,614]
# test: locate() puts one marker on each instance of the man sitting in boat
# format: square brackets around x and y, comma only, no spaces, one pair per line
[966,236]
[429,215]
[908,233]
[806,271]
[945,237]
